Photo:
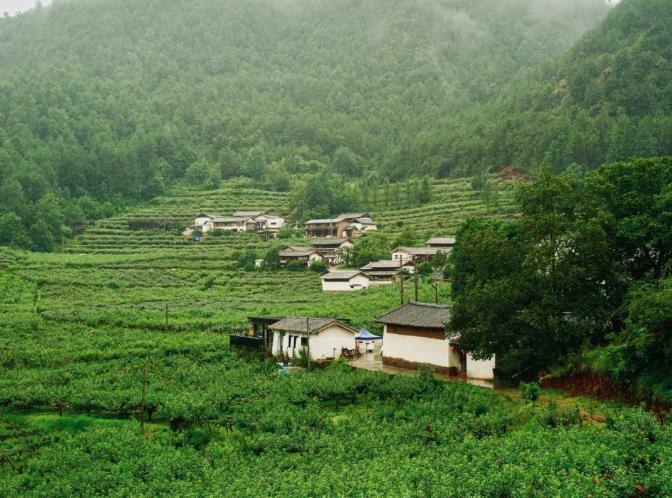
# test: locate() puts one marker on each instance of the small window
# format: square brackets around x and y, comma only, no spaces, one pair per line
[304,342]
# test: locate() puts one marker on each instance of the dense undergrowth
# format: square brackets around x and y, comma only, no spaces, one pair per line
[223,425]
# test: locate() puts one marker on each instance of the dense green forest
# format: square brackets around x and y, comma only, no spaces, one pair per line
[607,99]
[108,102]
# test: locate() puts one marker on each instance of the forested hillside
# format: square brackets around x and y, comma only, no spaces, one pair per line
[607,99]
[106,102]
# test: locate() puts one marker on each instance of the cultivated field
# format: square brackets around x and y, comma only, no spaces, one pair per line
[86,352]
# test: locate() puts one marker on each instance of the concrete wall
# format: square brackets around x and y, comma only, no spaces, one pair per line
[420,350]
[480,369]
[356,283]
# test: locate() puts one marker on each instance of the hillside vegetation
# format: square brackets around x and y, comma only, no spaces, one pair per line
[107,102]
[607,99]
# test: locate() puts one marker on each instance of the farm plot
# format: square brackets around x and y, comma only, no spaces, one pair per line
[218,424]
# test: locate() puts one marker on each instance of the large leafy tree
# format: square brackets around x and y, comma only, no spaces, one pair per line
[535,291]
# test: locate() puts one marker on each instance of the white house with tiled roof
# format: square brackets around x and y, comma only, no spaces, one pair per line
[344,281]
[324,337]
[415,336]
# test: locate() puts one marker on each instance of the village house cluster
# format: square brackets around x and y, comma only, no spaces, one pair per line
[329,239]
[414,336]
[238,222]
[385,272]
[344,226]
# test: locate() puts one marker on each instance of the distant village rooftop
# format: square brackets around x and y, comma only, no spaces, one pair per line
[385,265]
[441,241]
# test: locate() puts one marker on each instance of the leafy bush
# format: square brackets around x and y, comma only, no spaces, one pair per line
[319,266]
[530,391]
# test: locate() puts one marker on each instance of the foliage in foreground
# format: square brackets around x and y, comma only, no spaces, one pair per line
[586,265]
[229,427]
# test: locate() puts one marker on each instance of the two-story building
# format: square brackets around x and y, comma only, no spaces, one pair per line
[332,249]
[240,221]
[345,226]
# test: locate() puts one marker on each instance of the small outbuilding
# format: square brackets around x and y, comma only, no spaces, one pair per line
[325,338]
[415,336]
[344,281]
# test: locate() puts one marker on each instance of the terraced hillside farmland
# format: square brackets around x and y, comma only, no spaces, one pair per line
[177,210]
[452,203]
[114,275]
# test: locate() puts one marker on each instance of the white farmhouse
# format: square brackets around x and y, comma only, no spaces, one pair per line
[415,336]
[325,338]
[203,222]
[344,281]
[304,255]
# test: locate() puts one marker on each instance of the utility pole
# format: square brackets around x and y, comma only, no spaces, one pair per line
[143,397]
[436,292]
[417,282]
[308,334]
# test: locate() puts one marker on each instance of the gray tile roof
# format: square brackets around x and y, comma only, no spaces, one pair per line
[347,216]
[297,251]
[247,214]
[418,251]
[227,219]
[391,264]
[327,241]
[340,276]
[422,315]
[441,241]
[320,221]
[298,324]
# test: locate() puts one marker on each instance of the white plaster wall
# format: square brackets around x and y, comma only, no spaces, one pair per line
[314,257]
[401,256]
[200,221]
[356,283]
[480,369]
[419,350]
[322,345]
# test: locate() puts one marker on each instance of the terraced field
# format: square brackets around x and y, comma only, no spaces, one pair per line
[120,277]
[453,202]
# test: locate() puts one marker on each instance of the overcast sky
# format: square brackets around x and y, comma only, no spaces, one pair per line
[14,6]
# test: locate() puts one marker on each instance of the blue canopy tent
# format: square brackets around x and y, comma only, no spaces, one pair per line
[365,335]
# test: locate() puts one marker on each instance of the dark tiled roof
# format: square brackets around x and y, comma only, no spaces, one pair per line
[418,315]
[298,324]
